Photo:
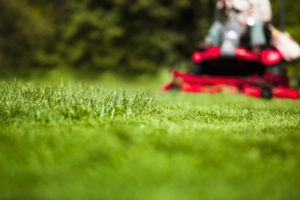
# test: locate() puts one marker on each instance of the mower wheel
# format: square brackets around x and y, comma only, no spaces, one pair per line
[266,93]
[197,70]
[279,69]
[175,87]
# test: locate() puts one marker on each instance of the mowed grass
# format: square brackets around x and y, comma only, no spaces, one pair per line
[89,141]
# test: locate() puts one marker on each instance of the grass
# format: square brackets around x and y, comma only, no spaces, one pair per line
[73,140]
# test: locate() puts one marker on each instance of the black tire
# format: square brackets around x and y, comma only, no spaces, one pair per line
[279,69]
[197,70]
[175,87]
[266,93]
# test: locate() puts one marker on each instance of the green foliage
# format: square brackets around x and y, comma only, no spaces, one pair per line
[22,31]
[87,141]
[135,36]
[121,36]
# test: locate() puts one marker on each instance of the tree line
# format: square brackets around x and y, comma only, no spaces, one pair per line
[123,36]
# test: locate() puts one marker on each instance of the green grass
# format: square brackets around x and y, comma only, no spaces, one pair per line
[90,141]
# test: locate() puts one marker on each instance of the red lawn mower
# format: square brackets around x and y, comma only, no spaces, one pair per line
[233,68]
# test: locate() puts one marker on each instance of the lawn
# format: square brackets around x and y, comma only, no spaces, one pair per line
[79,140]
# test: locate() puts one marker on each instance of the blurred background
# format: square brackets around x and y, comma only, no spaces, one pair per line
[127,37]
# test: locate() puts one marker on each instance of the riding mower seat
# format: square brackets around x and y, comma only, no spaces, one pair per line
[245,39]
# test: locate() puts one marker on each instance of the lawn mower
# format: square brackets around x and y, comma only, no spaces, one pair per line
[233,67]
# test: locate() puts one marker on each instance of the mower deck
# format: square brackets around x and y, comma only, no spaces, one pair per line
[253,86]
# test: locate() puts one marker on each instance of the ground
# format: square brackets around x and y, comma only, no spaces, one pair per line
[75,140]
